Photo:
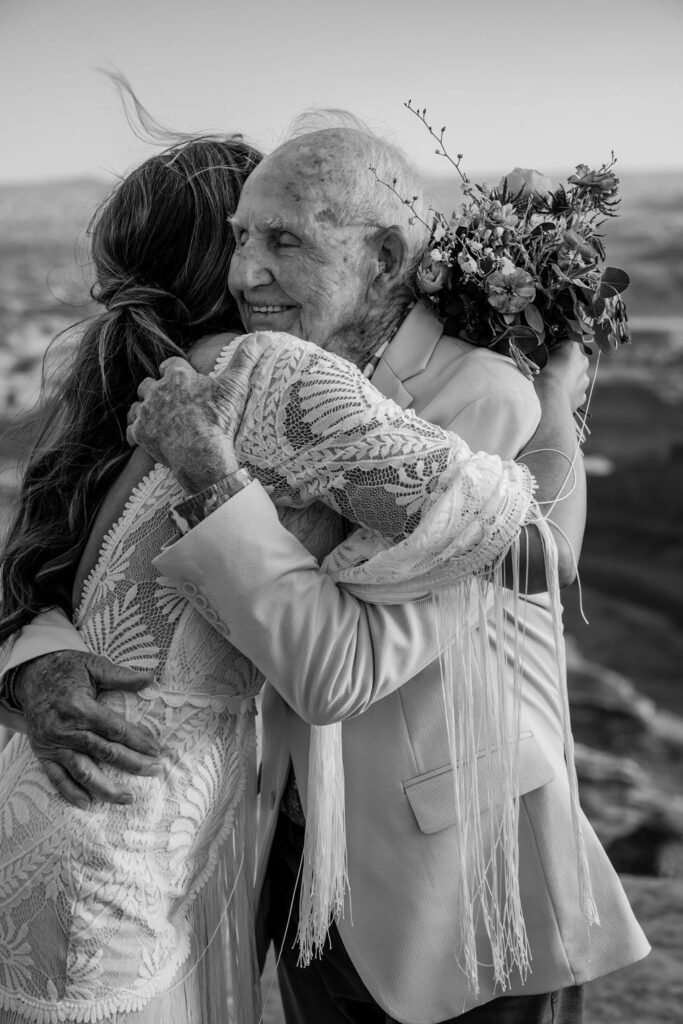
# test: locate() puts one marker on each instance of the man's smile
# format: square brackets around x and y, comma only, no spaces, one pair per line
[270,316]
[268,309]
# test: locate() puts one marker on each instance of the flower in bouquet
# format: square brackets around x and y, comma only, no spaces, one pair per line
[509,291]
[524,182]
[432,273]
[520,267]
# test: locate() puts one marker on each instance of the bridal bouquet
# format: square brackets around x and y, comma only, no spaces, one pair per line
[520,268]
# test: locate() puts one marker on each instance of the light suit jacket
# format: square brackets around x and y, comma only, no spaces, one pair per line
[328,657]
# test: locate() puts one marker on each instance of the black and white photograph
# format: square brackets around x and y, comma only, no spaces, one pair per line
[341,492]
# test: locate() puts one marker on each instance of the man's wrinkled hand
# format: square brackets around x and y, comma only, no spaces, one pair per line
[72,734]
[188,421]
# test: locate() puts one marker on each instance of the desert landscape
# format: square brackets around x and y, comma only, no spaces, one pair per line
[626,680]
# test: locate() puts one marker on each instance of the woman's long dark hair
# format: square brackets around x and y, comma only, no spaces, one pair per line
[161,247]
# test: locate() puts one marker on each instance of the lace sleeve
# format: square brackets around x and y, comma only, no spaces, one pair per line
[315,429]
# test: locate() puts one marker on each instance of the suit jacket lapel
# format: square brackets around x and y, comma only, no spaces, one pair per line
[408,354]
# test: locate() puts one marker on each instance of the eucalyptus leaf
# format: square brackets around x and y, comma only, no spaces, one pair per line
[618,280]
[533,318]
[605,337]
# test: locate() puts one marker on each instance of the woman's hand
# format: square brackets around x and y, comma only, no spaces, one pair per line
[188,421]
[566,372]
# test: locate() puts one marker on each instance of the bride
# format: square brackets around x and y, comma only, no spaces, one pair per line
[141,912]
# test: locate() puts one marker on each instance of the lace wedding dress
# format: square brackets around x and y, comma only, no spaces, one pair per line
[105,909]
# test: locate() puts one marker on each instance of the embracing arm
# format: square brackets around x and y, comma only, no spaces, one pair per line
[554,457]
[56,680]
[329,654]
[49,632]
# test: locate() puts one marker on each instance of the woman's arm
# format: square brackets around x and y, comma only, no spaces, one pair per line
[554,457]
[314,429]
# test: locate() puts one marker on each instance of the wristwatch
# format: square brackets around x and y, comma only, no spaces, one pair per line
[193,510]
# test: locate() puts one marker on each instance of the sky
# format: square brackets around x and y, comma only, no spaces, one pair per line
[536,83]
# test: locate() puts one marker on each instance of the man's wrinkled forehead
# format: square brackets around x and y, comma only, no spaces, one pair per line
[307,173]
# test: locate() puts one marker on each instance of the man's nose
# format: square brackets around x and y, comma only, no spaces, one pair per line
[250,267]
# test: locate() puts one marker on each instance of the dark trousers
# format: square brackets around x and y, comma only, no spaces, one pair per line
[329,990]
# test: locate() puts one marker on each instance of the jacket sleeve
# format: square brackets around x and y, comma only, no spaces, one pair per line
[49,632]
[327,653]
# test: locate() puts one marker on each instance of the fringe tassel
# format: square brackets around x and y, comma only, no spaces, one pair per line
[587,901]
[482,721]
[210,938]
[224,929]
[324,878]
[244,973]
[481,688]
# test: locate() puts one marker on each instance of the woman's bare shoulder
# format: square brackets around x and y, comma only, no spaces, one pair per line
[204,353]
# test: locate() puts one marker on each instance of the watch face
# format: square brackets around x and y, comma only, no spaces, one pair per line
[193,510]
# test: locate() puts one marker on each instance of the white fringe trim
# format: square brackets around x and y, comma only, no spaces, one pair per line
[482,707]
[324,878]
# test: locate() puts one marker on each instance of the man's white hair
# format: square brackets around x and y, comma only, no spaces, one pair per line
[364,199]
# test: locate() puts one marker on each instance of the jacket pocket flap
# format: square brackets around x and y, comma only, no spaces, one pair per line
[431,795]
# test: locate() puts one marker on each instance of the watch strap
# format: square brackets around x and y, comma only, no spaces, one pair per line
[197,507]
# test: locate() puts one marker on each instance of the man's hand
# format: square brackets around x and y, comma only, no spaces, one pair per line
[188,421]
[69,731]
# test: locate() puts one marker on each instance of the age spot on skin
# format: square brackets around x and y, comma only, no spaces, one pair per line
[326,216]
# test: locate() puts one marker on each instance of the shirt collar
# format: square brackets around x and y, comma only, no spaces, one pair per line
[407,353]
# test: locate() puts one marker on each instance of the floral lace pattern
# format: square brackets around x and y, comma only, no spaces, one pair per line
[96,903]
[429,511]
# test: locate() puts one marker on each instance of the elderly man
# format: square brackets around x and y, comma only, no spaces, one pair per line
[324,253]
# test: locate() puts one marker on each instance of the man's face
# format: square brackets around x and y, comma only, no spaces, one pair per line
[295,269]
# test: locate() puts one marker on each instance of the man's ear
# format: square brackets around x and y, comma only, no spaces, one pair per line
[389,258]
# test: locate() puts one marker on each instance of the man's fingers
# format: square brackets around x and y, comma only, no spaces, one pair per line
[131,439]
[64,784]
[120,756]
[144,387]
[85,773]
[108,725]
[175,363]
[109,676]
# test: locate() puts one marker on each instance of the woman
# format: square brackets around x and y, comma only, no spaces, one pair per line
[161,247]
[101,906]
